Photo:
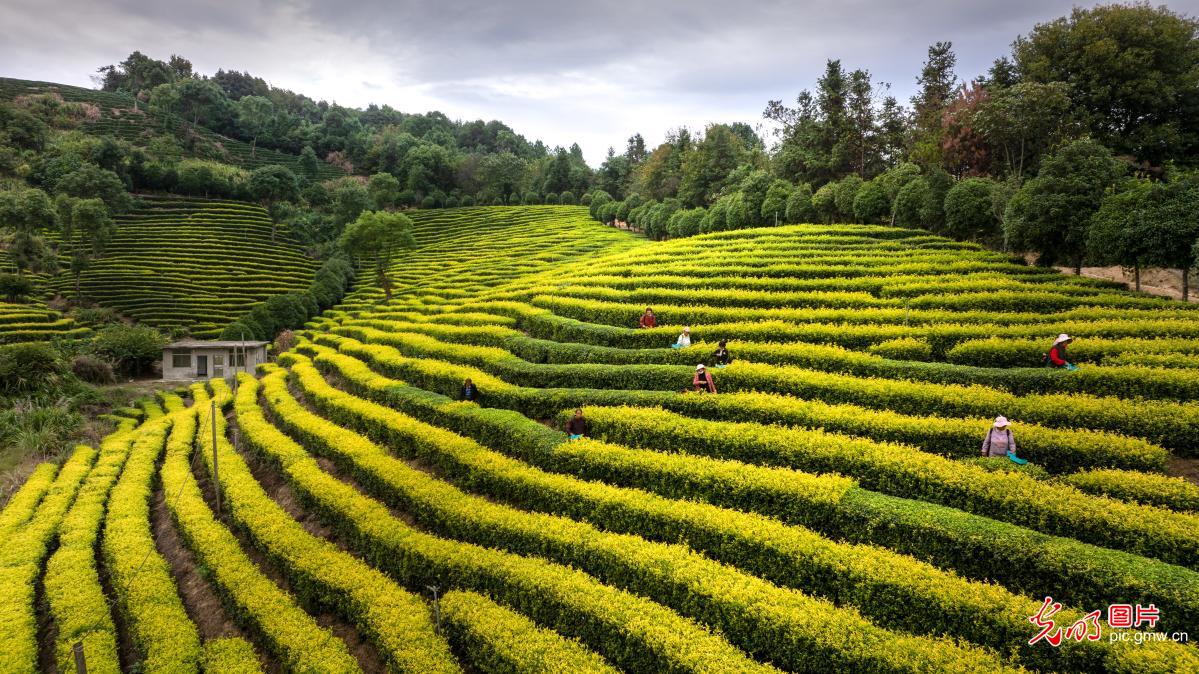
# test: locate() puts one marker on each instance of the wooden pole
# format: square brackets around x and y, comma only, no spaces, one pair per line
[216,474]
[80,661]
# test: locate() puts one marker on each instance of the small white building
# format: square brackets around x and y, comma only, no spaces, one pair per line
[191,359]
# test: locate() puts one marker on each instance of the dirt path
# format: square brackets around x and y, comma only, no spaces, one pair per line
[1160,282]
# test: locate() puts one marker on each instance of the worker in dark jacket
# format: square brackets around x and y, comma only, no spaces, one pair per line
[1057,354]
[576,427]
[470,392]
[722,356]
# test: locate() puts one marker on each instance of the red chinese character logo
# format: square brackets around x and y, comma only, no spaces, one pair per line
[1119,616]
[1049,630]
[1086,627]
[1147,614]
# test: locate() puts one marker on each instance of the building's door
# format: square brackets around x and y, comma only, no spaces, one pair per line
[201,366]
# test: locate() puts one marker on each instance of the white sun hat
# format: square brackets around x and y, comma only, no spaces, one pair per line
[1062,338]
[1001,421]
[700,366]
[687,329]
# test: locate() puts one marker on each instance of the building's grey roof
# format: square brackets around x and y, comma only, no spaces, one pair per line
[201,344]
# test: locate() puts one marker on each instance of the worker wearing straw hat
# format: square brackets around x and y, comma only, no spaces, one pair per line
[1057,354]
[1000,441]
[703,381]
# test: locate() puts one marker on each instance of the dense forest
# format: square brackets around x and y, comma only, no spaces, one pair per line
[1080,145]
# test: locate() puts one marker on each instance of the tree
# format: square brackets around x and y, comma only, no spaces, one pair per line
[1169,228]
[861,141]
[501,174]
[892,132]
[90,181]
[139,72]
[384,189]
[567,198]
[1113,237]
[309,165]
[350,199]
[968,211]
[799,205]
[870,204]
[272,184]
[89,231]
[635,149]
[936,84]
[378,235]
[909,201]
[774,206]
[1051,214]
[1134,71]
[1024,120]
[706,170]
[28,212]
[964,150]
[254,116]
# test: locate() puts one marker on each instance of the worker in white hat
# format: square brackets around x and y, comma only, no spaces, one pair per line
[703,381]
[1000,441]
[1057,354]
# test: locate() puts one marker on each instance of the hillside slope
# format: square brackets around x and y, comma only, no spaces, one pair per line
[192,263]
[824,511]
[118,115]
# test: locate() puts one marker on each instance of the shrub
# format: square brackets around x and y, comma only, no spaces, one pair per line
[845,191]
[15,287]
[468,200]
[870,203]
[29,367]
[92,370]
[909,201]
[904,348]
[567,198]
[799,205]
[132,349]
[968,210]
[430,202]
[551,199]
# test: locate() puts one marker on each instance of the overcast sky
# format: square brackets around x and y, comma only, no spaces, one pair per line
[593,73]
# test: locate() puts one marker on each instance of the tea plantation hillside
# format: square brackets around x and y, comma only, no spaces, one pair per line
[192,263]
[118,115]
[29,319]
[825,510]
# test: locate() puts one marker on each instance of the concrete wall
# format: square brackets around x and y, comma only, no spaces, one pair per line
[220,362]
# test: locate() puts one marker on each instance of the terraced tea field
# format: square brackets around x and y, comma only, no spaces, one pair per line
[822,512]
[120,118]
[192,263]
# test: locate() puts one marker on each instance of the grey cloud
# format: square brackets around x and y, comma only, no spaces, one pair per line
[554,70]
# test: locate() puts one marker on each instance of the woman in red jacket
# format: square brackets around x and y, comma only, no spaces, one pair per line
[648,319]
[703,381]
[1057,354]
